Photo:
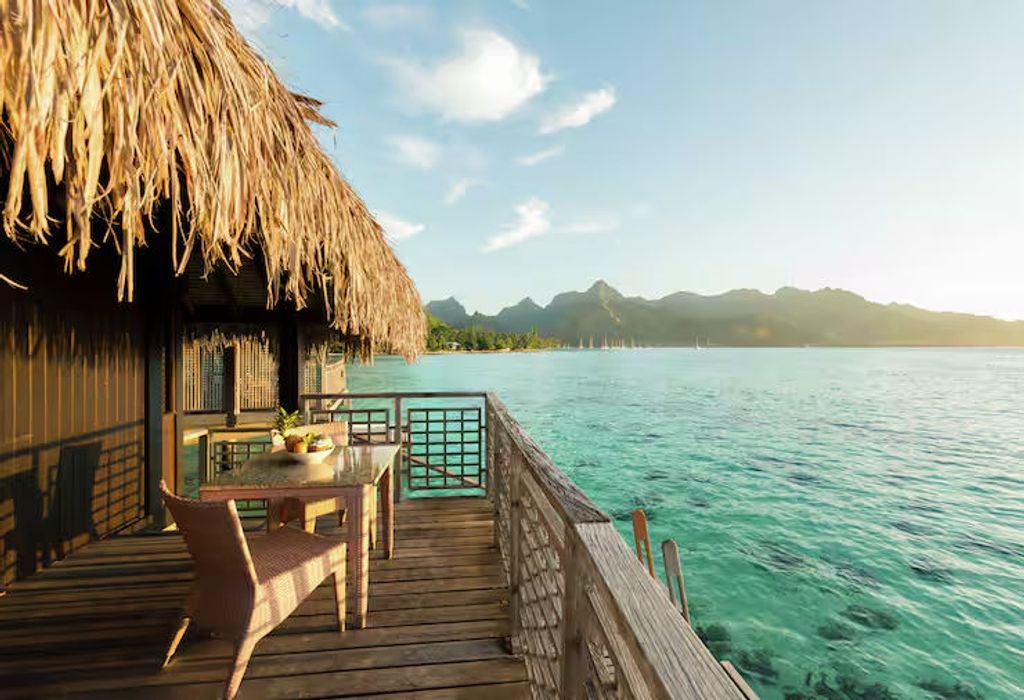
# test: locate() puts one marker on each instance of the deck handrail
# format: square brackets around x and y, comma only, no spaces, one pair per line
[396,395]
[586,615]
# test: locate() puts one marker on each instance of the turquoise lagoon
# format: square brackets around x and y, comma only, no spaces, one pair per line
[851,521]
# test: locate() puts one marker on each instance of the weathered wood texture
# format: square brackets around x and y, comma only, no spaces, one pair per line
[587,617]
[72,409]
[97,624]
[564,495]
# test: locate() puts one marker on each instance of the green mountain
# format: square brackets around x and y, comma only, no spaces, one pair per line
[742,317]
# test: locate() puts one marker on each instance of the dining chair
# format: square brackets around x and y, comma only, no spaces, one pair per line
[247,585]
[306,511]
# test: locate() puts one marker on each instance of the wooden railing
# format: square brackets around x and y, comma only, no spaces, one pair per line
[441,433]
[586,616]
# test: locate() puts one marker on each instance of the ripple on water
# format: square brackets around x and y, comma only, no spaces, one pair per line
[975,543]
[918,453]
[776,556]
[932,571]
[870,618]
[838,686]
[950,691]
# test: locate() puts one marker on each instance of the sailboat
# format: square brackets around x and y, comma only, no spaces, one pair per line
[581,343]
[591,342]
[696,343]
[604,345]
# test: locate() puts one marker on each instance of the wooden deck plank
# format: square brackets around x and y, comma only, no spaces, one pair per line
[211,670]
[500,691]
[96,624]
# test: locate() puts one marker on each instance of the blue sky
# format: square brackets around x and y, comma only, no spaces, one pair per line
[517,148]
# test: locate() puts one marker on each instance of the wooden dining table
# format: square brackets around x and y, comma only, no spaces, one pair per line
[356,473]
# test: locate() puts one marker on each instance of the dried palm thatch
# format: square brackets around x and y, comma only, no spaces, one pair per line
[119,107]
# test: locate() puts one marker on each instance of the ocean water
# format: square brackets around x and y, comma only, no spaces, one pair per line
[851,521]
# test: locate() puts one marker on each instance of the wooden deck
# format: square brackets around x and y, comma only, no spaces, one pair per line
[97,624]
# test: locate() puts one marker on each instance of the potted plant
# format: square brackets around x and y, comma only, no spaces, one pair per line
[285,424]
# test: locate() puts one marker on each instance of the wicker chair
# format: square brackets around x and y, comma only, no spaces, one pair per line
[245,587]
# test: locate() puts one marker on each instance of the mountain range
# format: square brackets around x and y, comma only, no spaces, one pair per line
[742,317]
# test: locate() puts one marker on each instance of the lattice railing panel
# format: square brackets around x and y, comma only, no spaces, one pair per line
[364,424]
[499,447]
[541,588]
[444,448]
[600,677]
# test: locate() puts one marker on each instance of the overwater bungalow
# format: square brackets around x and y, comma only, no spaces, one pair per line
[165,201]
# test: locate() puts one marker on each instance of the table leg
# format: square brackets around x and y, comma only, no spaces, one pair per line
[359,553]
[274,506]
[387,504]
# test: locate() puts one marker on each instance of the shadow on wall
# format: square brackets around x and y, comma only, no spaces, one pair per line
[72,378]
[90,491]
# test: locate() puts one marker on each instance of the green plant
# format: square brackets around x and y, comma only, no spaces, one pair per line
[285,421]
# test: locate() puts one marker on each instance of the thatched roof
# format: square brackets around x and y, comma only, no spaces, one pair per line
[114,108]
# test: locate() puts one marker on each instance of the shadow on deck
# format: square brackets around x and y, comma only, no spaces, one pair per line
[97,624]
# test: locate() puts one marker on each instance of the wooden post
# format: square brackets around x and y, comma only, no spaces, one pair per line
[674,573]
[515,516]
[485,455]
[173,422]
[289,363]
[641,536]
[573,612]
[492,427]
[399,438]
[203,443]
[154,411]
[232,384]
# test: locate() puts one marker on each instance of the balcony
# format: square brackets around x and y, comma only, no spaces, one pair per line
[507,582]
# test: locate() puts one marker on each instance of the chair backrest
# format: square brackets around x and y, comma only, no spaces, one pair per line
[214,537]
[332,429]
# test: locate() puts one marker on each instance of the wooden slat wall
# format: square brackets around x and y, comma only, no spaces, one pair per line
[71,420]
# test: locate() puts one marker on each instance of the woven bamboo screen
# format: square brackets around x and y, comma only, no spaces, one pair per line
[203,366]
[203,369]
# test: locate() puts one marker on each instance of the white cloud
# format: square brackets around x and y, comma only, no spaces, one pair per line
[397,229]
[252,15]
[532,222]
[521,4]
[415,150]
[489,79]
[579,114]
[458,190]
[597,225]
[540,156]
[397,16]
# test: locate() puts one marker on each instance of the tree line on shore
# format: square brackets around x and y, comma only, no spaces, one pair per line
[442,337]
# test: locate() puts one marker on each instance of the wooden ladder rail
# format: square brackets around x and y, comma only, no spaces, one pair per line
[642,536]
[674,577]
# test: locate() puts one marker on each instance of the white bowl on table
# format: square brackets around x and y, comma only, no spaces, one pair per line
[311,457]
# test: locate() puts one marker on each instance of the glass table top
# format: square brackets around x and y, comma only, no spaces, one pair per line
[348,465]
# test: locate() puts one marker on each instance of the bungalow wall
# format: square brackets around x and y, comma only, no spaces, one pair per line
[72,382]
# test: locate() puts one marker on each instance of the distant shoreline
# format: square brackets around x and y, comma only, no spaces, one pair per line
[732,347]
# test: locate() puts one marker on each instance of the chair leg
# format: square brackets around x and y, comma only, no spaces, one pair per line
[341,517]
[339,597]
[176,639]
[243,650]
